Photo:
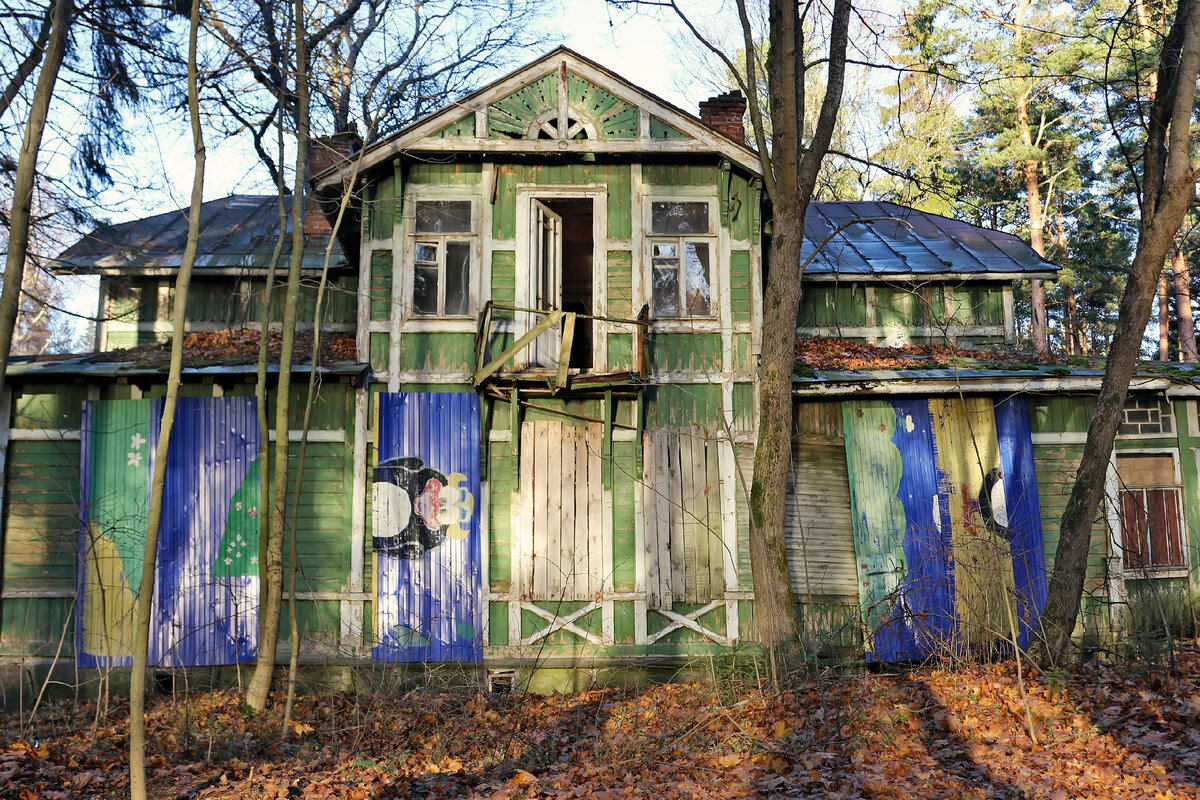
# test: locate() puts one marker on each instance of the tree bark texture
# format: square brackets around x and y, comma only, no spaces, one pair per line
[1164,319]
[1168,189]
[795,170]
[271,604]
[141,642]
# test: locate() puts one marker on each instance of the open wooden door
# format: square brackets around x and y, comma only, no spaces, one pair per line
[541,287]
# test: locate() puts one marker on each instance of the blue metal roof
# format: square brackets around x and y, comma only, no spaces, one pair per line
[236,232]
[893,241]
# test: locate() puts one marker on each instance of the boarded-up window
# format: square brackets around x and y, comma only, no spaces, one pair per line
[563,510]
[1151,511]
[820,535]
[685,554]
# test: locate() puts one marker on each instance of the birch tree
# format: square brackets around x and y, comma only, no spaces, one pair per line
[137,680]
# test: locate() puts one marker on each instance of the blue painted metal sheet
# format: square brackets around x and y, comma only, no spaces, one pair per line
[908,507]
[905,591]
[426,527]
[205,605]
[1024,515]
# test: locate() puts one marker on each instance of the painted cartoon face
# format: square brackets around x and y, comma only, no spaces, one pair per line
[416,507]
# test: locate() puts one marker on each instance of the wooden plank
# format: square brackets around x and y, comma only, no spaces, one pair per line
[537,521]
[553,510]
[691,473]
[581,556]
[594,439]
[675,498]
[567,558]
[662,497]
[650,517]
[716,551]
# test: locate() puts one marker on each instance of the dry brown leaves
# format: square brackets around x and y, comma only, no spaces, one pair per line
[1102,732]
[236,346]
[842,354]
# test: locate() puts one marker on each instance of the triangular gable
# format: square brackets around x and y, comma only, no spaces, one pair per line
[560,103]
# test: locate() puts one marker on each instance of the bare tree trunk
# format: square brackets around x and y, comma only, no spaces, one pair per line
[1182,273]
[141,643]
[795,169]
[1033,195]
[271,606]
[19,217]
[1164,318]
[1168,189]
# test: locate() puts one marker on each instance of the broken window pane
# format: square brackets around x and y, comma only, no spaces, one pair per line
[699,291]
[678,217]
[443,216]
[666,292]
[425,289]
[458,268]
[426,253]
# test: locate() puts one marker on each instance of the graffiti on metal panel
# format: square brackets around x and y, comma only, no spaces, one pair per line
[417,507]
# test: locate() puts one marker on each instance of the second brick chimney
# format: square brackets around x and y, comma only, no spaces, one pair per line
[325,152]
[725,112]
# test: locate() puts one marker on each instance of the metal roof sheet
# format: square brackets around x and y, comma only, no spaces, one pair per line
[95,366]
[889,240]
[236,232]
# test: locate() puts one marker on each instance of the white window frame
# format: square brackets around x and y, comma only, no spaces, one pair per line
[718,257]
[413,239]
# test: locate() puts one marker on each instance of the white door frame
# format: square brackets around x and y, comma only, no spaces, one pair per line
[526,194]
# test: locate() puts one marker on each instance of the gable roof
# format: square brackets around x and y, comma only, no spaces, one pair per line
[237,235]
[888,241]
[559,103]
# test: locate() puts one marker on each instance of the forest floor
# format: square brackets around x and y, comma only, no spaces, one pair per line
[1099,731]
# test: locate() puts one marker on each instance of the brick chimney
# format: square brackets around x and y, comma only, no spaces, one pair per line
[725,112]
[325,152]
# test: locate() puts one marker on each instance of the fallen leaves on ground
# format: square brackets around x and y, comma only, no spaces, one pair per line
[1102,731]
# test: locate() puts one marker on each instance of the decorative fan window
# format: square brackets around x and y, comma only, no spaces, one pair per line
[546,126]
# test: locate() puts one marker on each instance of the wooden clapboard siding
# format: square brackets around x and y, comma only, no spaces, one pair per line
[819,532]
[564,500]
[682,506]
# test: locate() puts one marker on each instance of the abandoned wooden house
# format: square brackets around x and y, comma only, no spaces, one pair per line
[536,450]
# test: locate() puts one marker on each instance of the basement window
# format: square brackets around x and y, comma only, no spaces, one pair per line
[1151,512]
[681,258]
[443,242]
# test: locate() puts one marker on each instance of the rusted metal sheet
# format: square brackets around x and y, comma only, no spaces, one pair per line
[426,523]
[946,524]
[205,604]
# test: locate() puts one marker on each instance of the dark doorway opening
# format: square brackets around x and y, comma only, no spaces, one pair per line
[577,249]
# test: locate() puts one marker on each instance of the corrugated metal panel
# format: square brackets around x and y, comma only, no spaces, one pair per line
[921,243]
[902,552]
[206,591]
[426,523]
[235,231]
[1024,512]
[959,478]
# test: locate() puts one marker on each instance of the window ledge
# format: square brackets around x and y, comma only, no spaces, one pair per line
[1153,573]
